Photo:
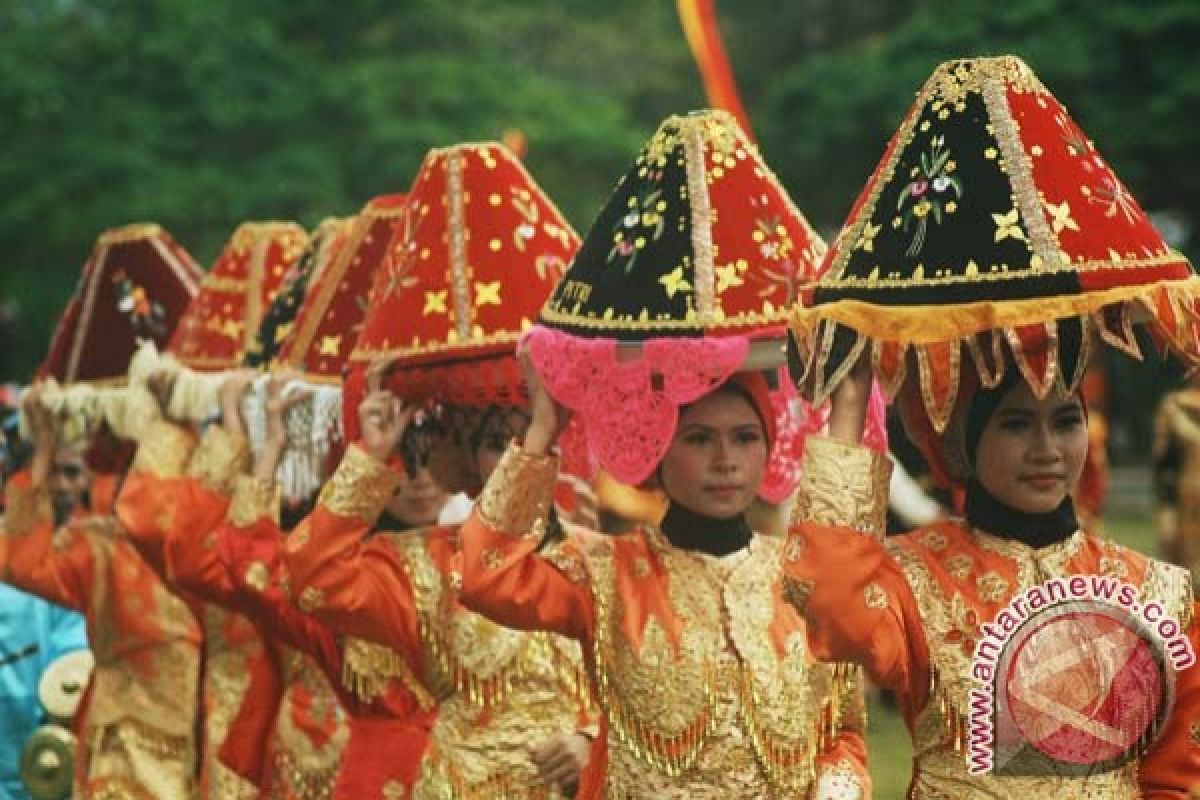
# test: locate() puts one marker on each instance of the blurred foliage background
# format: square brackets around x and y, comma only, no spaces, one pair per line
[200,115]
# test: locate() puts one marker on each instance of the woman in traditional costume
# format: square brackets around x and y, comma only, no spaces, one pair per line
[479,249]
[656,340]
[987,251]
[138,719]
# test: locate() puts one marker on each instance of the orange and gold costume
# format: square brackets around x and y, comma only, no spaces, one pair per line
[138,738]
[389,710]
[701,668]
[909,609]
[271,720]
[502,692]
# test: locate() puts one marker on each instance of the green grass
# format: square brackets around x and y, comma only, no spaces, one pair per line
[889,749]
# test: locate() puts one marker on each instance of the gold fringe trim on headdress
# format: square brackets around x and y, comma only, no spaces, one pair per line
[936,338]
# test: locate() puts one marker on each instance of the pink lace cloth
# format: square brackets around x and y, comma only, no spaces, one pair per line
[628,409]
[625,417]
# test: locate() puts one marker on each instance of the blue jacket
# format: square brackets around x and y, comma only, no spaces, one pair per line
[33,633]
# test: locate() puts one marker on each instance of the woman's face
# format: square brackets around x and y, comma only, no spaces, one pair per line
[419,500]
[715,463]
[1031,453]
[499,428]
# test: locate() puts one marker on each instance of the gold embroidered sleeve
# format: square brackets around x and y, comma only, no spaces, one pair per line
[843,485]
[254,499]
[361,486]
[219,459]
[25,508]
[164,450]
[519,493]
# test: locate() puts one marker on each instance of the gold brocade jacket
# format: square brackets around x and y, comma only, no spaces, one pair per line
[153,501]
[912,608]
[500,692]
[701,668]
[1177,477]
[138,731]
[179,490]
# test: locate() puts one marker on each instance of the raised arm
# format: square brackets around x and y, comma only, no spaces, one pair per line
[854,597]
[357,587]
[506,574]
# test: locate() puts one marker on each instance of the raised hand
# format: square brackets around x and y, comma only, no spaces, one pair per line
[233,388]
[549,417]
[848,413]
[279,405]
[161,383]
[383,419]
[44,429]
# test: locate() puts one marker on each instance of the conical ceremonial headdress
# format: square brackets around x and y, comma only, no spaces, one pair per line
[135,285]
[222,321]
[992,227]
[698,252]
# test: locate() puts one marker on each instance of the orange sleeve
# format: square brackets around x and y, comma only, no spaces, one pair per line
[858,606]
[1170,770]
[356,587]
[192,558]
[505,574]
[59,566]
[249,543]
[152,497]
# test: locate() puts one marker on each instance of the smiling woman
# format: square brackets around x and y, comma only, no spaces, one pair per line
[985,354]
[1031,451]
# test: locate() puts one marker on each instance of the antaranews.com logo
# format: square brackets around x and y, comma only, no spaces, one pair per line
[1073,677]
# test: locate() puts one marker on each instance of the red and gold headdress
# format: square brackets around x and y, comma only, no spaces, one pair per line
[698,252]
[329,320]
[135,286]
[220,324]
[477,250]
[991,229]
[278,325]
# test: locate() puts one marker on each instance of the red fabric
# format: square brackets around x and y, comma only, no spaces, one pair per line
[388,735]
[135,285]
[223,318]
[499,227]
[755,385]
[335,305]
[1067,168]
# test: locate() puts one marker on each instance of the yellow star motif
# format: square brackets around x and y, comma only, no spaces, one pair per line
[487,294]
[330,345]
[435,302]
[674,282]
[232,329]
[867,240]
[1008,225]
[1060,216]
[728,276]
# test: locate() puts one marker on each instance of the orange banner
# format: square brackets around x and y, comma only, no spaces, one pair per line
[699,19]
